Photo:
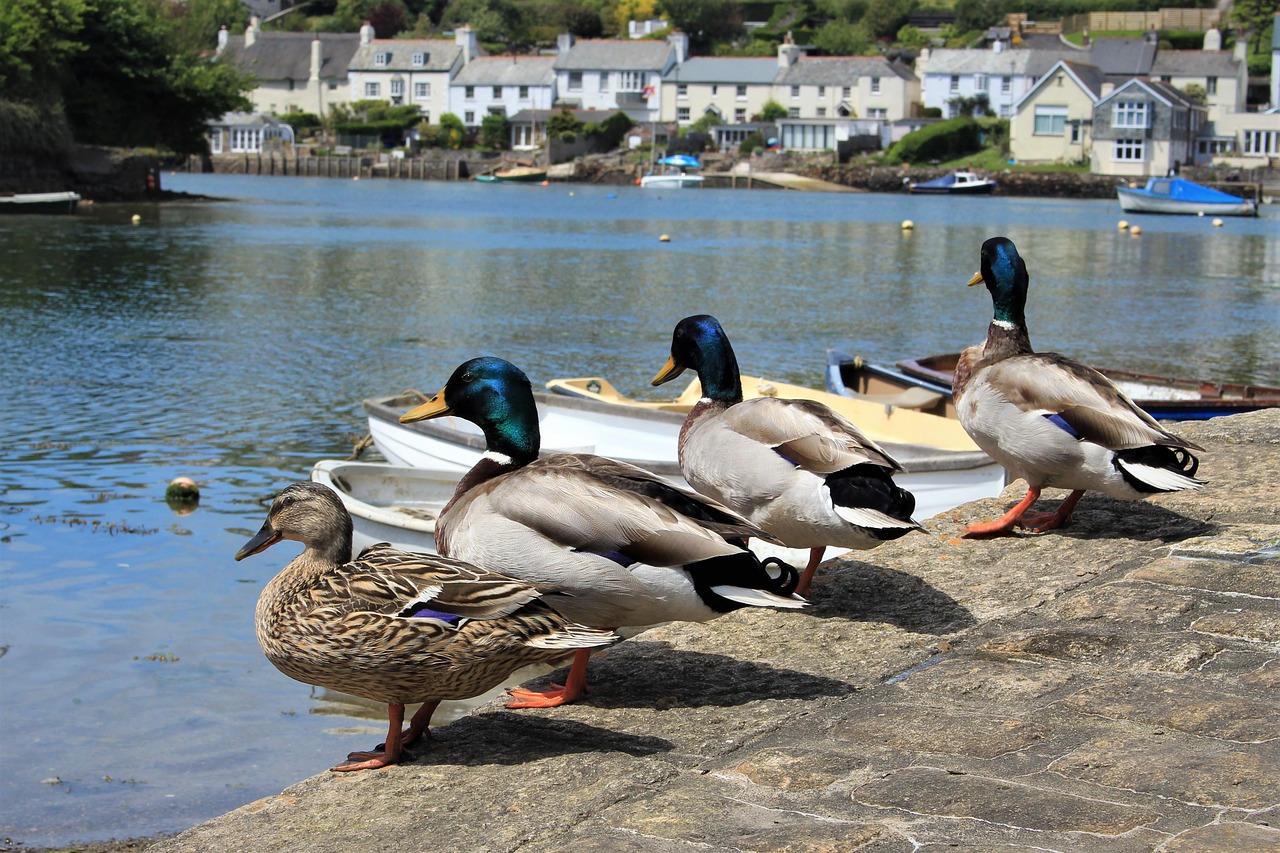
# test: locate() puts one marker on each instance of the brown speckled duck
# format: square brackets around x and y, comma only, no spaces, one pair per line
[1052,421]
[393,626]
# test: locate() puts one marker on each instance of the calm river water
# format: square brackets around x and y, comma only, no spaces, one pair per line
[232,342]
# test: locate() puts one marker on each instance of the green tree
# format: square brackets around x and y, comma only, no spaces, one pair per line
[453,131]
[564,124]
[494,21]
[885,17]
[1196,93]
[495,131]
[772,111]
[840,38]
[705,21]
[1255,16]
[38,38]
[194,24]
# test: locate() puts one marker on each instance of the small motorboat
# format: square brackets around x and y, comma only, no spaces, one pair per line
[674,174]
[1162,397]
[43,203]
[515,175]
[955,183]
[1176,195]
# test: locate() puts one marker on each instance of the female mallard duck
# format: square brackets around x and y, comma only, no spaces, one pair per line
[627,548]
[1053,421]
[794,467]
[392,626]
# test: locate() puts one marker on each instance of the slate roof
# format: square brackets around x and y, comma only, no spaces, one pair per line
[1088,76]
[584,116]
[440,55]
[723,70]
[507,71]
[287,56]
[839,70]
[1164,91]
[1126,57]
[948,60]
[1195,63]
[614,55]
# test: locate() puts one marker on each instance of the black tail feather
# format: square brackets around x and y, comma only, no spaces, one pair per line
[1156,456]
[744,570]
[872,486]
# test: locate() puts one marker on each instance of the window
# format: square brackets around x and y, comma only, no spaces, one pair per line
[524,93]
[682,114]
[469,92]
[740,115]
[1005,111]
[682,90]
[846,91]
[381,58]
[822,112]
[373,90]
[1050,121]
[575,81]
[793,112]
[603,85]
[1075,132]
[215,142]
[875,85]
[715,90]
[497,93]
[426,117]
[246,139]
[631,81]
[1130,150]
[822,91]
[1129,114]
[1211,86]
[421,91]
[979,82]
[878,112]
[469,117]
[955,83]
[1261,142]
[419,59]
[795,92]
[397,88]
[741,93]
[1006,85]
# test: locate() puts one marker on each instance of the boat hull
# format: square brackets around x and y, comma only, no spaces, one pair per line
[40,203]
[1179,196]
[1162,397]
[389,503]
[671,182]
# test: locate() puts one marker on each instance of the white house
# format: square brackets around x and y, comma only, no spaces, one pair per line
[734,89]
[293,72]
[409,71]
[1003,75]
[616,74]
[1053,121]
[502,85]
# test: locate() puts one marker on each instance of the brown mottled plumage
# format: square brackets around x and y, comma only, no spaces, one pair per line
[394,626]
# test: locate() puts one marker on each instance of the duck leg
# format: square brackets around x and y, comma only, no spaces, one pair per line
[418,725]
[559,694]
[1004,525]
[390,752]
[1039,522]
[806,577]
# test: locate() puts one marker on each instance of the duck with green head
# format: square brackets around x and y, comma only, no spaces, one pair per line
[629,549]
[393,626]
[796,468]
[1052,421]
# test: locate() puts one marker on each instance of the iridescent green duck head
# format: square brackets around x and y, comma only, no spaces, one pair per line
[700,343]
[496,396]
[1005,275]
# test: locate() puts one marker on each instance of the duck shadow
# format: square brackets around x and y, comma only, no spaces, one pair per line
[864,592]
[1101,517]
[508,737]
[652,674]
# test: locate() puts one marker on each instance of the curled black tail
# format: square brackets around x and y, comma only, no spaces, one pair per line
[741,570]
[870,486]
[1175,460]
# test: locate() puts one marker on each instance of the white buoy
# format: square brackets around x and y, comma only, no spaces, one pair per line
[1217,223]
[907,225]
[1123,225]
[664,238]
[136,219]
[1136,230]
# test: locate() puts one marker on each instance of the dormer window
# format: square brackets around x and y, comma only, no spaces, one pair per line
[381,59]
[419,59]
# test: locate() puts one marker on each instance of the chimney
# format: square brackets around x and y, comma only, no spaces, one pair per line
[223,35]
[1213,39]
[997,46]
[366,33]
[1107,89]
[465,38]
[564,41]
[680,41]
[1151,36]
[317,58]
[1241,50]
[251,31]
[788,53]
[1085,40]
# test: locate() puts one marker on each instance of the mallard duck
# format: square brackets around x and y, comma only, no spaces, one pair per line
[1053,421]
[793,467]
[629,549]
[393,626]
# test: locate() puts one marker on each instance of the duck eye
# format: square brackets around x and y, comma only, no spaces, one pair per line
[288,500]
[467,377]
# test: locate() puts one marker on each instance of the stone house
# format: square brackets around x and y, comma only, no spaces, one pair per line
[295,72]
[1144,128]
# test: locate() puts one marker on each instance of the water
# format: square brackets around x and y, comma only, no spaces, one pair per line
[232,342]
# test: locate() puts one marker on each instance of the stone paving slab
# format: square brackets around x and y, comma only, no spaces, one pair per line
[1108,687]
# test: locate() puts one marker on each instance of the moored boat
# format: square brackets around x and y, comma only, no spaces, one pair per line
[1176,195]
[1162,397]
[389,503]
[955,183]
[515,175]
[43,203]
[674,174]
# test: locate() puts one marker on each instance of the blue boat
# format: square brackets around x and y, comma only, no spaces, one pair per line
[1176,195]
[955,183]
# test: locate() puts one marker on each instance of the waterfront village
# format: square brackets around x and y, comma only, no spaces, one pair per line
[1122,107]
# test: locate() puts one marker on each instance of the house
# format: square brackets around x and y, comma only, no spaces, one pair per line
[248,133]
[1053,121]
[294,72]
[1144,128]
[1000,74]
[1223,75]
[626,75]
[410,71]
[529,130]
[502,85]
[733,89]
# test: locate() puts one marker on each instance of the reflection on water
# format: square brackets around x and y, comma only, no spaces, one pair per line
[231,342]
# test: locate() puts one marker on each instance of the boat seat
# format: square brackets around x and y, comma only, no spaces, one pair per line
[908,398]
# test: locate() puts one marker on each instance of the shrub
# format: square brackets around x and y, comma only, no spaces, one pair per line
[753,142]
[945,140]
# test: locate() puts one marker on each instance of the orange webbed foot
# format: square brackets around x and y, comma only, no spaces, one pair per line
[365,761]
[557,695]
